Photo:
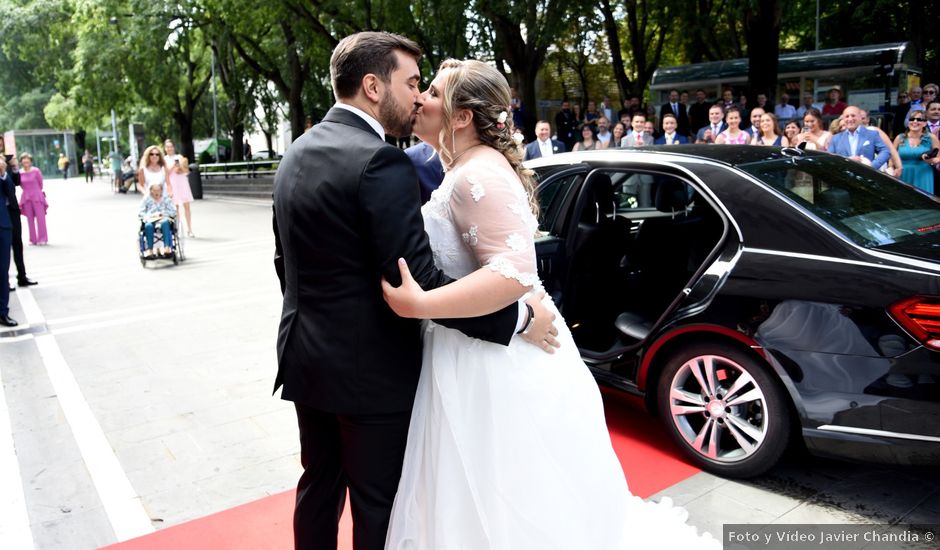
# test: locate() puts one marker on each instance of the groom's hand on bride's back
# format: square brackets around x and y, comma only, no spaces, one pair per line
[541,332]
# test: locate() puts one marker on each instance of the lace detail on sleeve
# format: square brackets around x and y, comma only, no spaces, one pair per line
[491,211]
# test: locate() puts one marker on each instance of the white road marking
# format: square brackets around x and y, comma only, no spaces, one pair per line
[121,503]
[30,307]
[14,518]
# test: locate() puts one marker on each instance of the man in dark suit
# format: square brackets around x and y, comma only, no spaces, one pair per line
[678,110]
[6,234]
[698,113]
[346,208]
[544,145]
[427,164]
[716,125]
[566,125]
[17,235]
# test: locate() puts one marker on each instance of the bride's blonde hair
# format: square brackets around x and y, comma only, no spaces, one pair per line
[481,89]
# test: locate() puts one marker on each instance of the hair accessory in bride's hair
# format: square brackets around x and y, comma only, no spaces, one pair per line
[501,120]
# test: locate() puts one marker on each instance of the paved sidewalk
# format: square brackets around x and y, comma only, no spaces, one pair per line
[176,365]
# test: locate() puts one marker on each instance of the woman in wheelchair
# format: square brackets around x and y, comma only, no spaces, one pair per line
[157,210]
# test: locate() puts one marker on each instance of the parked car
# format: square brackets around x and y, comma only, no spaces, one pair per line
[265,154]
[754,297]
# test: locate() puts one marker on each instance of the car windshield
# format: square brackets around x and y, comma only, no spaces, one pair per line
[866,206]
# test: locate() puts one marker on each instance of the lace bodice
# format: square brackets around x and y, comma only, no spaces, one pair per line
[480,216]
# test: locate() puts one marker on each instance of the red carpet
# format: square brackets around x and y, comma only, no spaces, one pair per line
[650,461]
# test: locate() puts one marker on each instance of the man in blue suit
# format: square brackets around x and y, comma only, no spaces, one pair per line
[858,142]
[428,165]
[670,137]
[544,145]
[6,242]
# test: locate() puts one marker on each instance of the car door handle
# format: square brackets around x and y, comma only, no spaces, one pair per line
[545,264]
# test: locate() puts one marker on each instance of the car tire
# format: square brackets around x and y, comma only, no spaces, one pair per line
[741,427]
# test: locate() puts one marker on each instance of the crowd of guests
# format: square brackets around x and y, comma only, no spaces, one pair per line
[910,153]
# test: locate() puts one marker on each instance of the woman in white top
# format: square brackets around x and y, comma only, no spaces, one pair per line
[814,134]
[152,171]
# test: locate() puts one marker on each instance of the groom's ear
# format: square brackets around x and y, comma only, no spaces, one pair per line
[372,88]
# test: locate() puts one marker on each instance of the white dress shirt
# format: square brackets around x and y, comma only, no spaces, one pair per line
[364,116]
[546,147]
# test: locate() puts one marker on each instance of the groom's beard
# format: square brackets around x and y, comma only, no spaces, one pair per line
[396,120]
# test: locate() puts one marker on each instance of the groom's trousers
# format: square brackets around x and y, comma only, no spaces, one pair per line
[361,453]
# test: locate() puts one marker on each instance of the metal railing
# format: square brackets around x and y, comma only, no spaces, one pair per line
[248,169]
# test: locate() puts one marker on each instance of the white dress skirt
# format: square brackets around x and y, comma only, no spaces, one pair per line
[508,447]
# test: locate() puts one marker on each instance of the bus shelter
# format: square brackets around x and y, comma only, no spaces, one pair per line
[854,71]
[45,147]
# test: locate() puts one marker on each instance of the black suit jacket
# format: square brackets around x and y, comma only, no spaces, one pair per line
[682,118]
[7,193]
[346,207]
[10,192]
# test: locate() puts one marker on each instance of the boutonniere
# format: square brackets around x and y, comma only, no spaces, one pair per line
[555,148]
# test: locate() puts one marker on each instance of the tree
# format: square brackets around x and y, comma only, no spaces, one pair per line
[275,43]
[762,30]
[645,24]
[523,32]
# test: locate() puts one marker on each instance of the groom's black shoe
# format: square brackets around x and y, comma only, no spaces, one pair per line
[6,321]
[25,282]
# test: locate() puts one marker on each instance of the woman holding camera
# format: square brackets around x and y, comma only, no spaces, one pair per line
[814,134]
[178,166]
[918,151]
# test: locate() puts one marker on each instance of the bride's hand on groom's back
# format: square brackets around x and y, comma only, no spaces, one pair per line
[406,299]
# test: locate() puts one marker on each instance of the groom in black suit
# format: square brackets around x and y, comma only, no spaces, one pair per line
[346,207]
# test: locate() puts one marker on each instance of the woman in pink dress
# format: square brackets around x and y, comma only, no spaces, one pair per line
[733,135]
[33,203]
[178,166]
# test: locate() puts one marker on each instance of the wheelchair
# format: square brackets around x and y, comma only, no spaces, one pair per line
[176,254]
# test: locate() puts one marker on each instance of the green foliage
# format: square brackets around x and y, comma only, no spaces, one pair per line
[68,63]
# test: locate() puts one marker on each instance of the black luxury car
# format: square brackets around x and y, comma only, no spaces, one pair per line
[753,296]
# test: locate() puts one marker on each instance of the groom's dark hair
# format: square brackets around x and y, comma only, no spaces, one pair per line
[363,53]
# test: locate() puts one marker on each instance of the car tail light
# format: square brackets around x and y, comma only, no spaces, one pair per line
[921,317]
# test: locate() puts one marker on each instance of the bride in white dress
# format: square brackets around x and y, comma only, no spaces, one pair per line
[508,448]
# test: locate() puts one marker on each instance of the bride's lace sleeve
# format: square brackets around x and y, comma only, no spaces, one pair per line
[491,210]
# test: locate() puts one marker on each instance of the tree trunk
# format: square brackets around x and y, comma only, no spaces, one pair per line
[238,138]
[762,31]
[268,138]
[297,75]
[184,121]
[613,41]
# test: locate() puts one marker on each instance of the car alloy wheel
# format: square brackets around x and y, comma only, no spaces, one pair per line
[724,409]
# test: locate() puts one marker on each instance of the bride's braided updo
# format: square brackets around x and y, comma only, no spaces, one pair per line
[481,89]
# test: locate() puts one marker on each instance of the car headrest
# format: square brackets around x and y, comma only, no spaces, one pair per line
[834,199]
[672,195]
[601,201]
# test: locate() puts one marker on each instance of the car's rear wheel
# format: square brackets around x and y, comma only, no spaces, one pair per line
[726,412]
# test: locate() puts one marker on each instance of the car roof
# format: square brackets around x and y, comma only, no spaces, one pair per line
[732,155]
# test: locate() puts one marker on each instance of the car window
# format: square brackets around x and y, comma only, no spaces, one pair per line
[632,190]
[552,198]
[867,207]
